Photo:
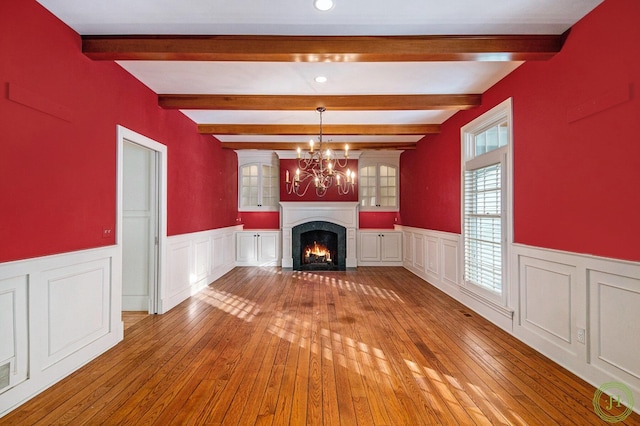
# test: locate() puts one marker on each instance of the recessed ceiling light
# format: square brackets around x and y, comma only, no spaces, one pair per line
[321,79]
[323,5]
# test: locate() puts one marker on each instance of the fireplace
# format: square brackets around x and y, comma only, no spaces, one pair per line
[319,246]
[320,220]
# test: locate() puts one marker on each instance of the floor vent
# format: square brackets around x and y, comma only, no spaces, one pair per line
[4,375]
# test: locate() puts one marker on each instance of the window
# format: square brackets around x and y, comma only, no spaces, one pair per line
[483,227]
[378,180]
[485,213]
[258,182]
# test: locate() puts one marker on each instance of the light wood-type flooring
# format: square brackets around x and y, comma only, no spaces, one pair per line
[376,346]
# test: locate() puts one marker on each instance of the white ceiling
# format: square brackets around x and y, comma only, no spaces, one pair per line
[298,17]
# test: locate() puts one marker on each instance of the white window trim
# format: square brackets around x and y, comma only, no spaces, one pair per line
[499,113]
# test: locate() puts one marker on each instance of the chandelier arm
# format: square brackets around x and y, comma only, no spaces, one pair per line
[303,182]
[340,164]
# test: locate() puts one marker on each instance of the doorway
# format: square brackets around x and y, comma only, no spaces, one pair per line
[141,229]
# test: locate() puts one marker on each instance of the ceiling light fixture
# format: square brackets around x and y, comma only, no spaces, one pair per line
[323,5]
[321,79]
[322,169]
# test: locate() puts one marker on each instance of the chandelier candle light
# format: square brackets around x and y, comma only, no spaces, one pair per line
[322,169]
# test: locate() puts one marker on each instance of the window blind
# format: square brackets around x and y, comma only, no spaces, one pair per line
[483,227]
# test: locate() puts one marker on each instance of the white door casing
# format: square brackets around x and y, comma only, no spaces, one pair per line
[156,294]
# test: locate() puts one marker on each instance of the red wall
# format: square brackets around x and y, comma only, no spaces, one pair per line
[259,220]
[576,151]
[377,220]
[58,117]
[430,182]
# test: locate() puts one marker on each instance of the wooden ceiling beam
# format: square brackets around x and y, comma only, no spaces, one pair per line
[312,129]
[322,48]
[311,102]
[284,146]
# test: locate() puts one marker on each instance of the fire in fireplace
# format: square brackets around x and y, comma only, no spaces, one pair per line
[316,253]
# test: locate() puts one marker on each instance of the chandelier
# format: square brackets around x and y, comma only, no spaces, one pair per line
[321,169]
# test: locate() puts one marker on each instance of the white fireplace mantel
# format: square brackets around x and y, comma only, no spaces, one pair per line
[344,213]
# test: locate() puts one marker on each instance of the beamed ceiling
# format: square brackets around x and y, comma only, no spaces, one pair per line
[244,71]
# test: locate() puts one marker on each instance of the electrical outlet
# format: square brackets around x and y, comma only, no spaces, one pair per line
[581,335]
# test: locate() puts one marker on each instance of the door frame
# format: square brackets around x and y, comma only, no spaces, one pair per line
[122,134]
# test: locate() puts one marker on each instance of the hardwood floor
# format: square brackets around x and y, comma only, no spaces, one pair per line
[131,318]
[264,346]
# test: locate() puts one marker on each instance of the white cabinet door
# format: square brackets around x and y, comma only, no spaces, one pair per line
[246,250]
[267,247]
[391,247]
[369,247]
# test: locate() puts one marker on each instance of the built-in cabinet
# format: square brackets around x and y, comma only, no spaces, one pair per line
[257,248]
[379,180]
[258,181]
[379,248]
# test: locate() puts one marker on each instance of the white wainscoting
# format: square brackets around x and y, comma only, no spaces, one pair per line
[561,295]
[554,296]
[435,256]
[59,312]
[56,314]
[195,260]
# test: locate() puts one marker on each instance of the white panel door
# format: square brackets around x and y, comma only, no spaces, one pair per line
[139,227]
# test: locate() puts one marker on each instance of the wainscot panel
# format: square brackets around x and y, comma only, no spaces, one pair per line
[75,299]
[13,332]
[548,290]
[614,304]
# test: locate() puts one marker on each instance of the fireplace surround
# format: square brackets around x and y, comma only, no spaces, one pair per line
[327,215]
[319,246]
